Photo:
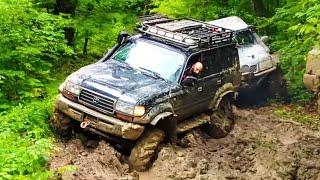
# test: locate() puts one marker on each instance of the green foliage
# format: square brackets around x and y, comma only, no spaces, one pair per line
[25,141]
[299,114]
[33,50]
[296,28]
[101,21]
[30,43]
[203,9]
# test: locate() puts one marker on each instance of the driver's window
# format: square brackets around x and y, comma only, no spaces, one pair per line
[194,67]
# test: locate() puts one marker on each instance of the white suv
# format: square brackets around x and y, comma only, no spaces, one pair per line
[258,67]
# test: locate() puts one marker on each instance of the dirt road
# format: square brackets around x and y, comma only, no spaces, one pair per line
[261,146]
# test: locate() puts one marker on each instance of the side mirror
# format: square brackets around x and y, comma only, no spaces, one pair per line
[265,39]
[189,81]
[122,36]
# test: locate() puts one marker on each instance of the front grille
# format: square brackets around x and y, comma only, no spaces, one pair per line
[97,101]
[253,68]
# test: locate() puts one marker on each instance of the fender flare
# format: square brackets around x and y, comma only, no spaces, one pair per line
[160,117]
[158,112]
[226,89]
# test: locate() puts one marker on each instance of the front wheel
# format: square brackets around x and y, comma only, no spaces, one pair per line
[143,152]
[61,123]
[222,119]
[275,86]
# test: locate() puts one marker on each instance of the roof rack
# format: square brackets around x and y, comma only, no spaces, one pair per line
[185,32]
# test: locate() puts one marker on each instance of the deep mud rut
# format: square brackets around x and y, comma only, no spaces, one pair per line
[261,146]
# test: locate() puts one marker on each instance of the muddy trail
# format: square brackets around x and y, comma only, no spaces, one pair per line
[261,146]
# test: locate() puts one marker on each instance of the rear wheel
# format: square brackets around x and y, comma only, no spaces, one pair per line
[144,150]
[222,119]
[61,123]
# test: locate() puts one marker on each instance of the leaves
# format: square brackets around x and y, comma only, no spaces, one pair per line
[25,141]
[31,41]
[296,31]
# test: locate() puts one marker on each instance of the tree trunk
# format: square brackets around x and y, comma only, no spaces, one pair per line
[258,8]
[67,7]
[85,46]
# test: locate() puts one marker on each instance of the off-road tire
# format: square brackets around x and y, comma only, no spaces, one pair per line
[275,86]
[144,150]
[222,119]
[61,123]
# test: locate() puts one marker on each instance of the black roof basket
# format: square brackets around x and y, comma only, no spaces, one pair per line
[185,32]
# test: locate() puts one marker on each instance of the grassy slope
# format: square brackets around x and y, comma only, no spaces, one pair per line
[25,135]
[26,139]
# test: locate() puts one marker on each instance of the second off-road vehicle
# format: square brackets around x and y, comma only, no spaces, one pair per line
[260,69]
[141,92]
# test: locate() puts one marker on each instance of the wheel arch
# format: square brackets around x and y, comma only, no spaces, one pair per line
[159,112]
[226,89]
[161,116]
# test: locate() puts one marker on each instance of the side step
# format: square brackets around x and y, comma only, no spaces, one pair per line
[191,123]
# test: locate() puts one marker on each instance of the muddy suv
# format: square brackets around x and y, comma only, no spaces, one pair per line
[259,68]
[311,78]
[142,91]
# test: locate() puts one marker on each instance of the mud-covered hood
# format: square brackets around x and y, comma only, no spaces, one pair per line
[118,80]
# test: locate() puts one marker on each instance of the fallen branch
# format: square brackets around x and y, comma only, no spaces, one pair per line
[290,121]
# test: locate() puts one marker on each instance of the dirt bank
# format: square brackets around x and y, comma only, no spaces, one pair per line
[262,145]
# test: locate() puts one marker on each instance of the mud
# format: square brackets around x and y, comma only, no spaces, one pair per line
[261,146]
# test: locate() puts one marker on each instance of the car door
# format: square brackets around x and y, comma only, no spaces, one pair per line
[212,77]
[190,100]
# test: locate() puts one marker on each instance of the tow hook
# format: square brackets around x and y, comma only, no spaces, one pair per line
[84,124]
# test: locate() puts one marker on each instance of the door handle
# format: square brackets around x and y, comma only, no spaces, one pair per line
[219,81]
[199,89]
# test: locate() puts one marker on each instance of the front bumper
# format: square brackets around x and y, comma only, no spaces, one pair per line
[251,81]
[99,123]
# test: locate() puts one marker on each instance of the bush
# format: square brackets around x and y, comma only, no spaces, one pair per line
[296,30]
[25,141]
[31,42]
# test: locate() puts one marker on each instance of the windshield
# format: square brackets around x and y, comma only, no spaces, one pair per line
[149,57]
[245,38]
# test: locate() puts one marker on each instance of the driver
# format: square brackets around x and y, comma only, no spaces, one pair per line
[194,71]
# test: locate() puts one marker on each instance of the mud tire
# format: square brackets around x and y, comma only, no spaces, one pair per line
[275,86]
[144,150]
[61,124]
[222,119]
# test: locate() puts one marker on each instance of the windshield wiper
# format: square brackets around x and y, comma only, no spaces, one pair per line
[157,75]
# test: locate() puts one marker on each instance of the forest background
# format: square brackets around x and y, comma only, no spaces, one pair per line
[42,41]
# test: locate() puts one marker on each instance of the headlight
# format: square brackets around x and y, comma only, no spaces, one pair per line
[129,109]
[139,111]
[124,107]
[72,83]
[73,88]
[264,65]
[244,69]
